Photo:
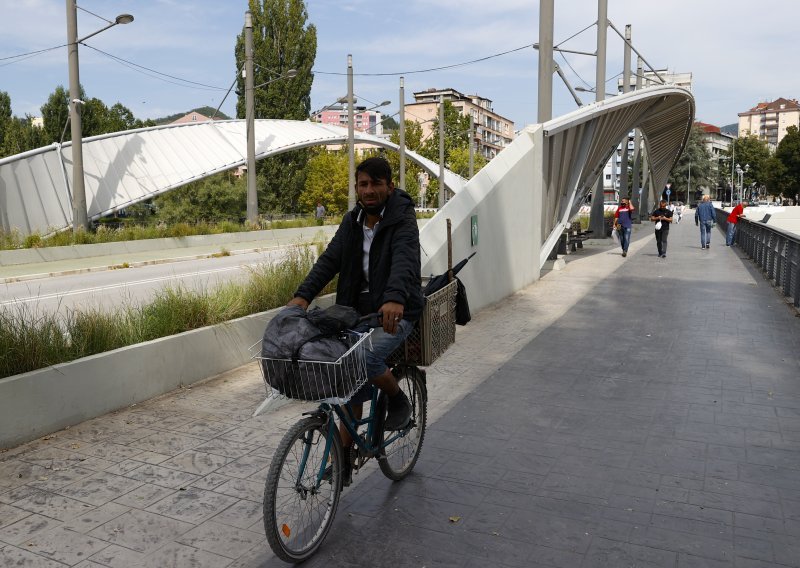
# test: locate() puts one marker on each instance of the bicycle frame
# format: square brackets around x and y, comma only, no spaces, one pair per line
[351,424]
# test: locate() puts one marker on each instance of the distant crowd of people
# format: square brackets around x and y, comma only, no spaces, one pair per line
[668,213]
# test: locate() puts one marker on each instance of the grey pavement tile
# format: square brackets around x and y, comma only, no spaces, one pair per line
[96,517]
[245,466]
[10,514]
[690,543]
[242,514]
[211,481]
[64,545]
[691,561]
[26,528]
[88,564]
[205,428]
[242,489]
[199,463]
[107,450]
[177,555]
[57,477]
[225,540]
[141,531]
[192,505]
[115,556]
[99,488]
[755,548]
[144,496]
[228,448]
[21,558]
[255,436]
[52,505]
[169,443]
[162,476]
[604,553]
[15,473]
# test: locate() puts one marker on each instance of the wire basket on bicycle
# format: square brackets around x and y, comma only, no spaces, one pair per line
[331,381]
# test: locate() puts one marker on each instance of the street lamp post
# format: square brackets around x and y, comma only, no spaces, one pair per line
[80,217]
[249,105]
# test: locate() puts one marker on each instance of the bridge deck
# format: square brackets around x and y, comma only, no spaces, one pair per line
[637,411]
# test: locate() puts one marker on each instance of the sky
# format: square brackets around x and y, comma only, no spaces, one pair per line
[740,52]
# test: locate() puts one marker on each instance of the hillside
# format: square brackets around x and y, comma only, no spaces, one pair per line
[207,111]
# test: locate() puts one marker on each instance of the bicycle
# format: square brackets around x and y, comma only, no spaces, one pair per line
[305,478]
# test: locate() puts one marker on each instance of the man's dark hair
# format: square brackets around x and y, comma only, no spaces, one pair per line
[376,168]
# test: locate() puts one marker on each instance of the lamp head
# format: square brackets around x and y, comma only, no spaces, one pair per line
[291,73]
[123,19]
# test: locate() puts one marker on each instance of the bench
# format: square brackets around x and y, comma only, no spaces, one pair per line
[572,238]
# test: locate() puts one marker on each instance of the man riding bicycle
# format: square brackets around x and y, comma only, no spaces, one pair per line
[375,252]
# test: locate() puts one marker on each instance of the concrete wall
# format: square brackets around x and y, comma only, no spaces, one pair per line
[40,402]
[506,197]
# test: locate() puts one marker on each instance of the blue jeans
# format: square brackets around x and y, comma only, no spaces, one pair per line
[730,233]
[383,344]
[625,238]
[705,233]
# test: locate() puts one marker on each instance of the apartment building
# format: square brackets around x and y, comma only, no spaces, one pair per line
[364,119]
[769,120]
[492,132]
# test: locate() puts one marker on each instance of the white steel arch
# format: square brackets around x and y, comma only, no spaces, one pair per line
[124,168]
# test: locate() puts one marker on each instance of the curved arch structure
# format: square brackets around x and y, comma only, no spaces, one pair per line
[127,167]
[514,210]
[511,212]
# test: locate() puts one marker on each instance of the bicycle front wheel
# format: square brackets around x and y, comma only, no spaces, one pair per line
[299,503]
[399,456]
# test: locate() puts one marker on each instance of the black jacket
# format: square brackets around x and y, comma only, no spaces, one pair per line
[394,261]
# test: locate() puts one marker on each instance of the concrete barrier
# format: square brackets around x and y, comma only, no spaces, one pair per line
[41,402]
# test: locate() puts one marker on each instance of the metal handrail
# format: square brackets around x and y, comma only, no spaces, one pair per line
[775,251]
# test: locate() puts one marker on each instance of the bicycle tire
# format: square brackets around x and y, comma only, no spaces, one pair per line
[297,515]
[399,458]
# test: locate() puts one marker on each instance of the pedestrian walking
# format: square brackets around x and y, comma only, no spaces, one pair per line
[662,217]
[733,218]
[319,214]
[679,212]
[705,218]
[623,223]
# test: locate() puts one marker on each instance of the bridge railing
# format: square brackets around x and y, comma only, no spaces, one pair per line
[775,251]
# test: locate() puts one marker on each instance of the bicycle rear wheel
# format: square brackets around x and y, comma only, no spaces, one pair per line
[399,457]
[299,511]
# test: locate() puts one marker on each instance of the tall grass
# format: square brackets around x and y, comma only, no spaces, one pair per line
[14,240]
[31,340]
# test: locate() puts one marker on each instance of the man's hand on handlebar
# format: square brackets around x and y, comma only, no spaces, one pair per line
[298,301]
[392,313]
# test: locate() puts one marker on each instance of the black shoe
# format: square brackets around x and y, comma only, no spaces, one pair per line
[347,468]
[624,253]
[399,412]
[708,246]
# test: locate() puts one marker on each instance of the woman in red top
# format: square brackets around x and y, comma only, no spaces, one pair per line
[623,222]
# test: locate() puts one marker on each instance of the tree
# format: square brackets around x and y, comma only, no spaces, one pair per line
[456,137]
[55,113]
[221,197]
[282,40]
[695,161]
[788,154]
[413,141]
[326,181]
[5,115]
[753,152]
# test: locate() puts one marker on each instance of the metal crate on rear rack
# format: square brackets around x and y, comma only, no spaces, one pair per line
[434,332]
[332,381]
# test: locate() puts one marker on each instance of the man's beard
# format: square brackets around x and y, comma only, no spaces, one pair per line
[373,209]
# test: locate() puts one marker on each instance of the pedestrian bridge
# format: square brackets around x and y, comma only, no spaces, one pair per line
[511,212]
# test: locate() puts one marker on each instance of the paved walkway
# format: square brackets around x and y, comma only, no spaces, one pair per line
[619,412]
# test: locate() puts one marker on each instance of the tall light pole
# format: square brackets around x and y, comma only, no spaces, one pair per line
[402,119]
[80,215]
[441,152]
[249,115]
[351,151]
[545,97]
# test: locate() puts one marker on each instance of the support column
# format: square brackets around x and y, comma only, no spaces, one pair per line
[441,153]
[597,222]
[545,97]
